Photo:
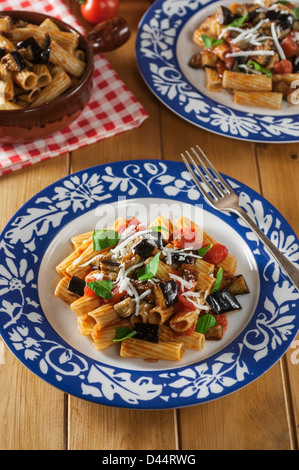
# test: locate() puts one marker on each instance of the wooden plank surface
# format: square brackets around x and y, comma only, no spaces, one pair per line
[263,415]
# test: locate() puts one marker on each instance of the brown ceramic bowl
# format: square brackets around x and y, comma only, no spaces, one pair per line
[17,126]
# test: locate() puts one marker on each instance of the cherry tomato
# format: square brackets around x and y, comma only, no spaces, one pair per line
[284,66]
[96,11]
[289,46]
[216,254]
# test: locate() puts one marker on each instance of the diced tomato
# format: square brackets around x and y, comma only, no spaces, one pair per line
[221,319]
[228,61]
[186,238]
[216,254]
[289,46]
[88,291]
[220,66]
[183,305]
[283,66]
[116,296]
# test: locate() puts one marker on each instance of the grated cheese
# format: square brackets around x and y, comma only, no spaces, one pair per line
[249,53]
[276,42]
[248,34]
[184,282]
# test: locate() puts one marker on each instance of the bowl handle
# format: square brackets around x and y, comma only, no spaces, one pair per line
[109,35]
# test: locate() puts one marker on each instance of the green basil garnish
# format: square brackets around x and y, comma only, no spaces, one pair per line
[149,270]
[104,239]
[123,333]
[204,323]
[259,68]
[158,228]
[219,278]
[295,12]
[210,42]
[239,21]
[102,288]
[202,251]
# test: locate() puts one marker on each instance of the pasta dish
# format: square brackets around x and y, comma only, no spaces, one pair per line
[252,51]
[156,291]
[37,63]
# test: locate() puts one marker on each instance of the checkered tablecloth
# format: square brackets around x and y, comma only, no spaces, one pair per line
[111,110]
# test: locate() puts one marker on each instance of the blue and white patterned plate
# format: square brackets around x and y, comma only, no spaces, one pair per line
[41,330]
[164,47]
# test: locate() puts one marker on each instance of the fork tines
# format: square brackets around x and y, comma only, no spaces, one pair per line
[207,176]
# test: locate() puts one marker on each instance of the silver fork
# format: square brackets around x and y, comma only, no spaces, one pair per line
[221,196]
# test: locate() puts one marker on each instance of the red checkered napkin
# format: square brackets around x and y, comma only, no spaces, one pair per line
[111,110]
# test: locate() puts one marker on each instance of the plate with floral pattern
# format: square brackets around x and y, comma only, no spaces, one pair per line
[41,330]
[164,47]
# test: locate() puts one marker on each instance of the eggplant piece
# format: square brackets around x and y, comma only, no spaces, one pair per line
[143,248]
[76,286]
[147,332]
[239,286]
[170,292]
[180,258]
[110,266]
[214,333]
[283,17]
[39,56]
[125,307]
[223,301]
[158,239]
[195,61]
[224,15]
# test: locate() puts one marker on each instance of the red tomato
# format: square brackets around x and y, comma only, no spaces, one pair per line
[96,11]
[284,66]
[88,291]
[221,319]
[183,305]
[116,296]
[186,238]
[220,66]
[216,254]
[289,46]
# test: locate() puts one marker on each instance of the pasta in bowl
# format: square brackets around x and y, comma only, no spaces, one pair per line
[158,291]
[46,70]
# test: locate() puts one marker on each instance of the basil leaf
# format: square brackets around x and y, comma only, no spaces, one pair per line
[295,12]
[104,238]
[158,228]
[102,288]
[259,68]
[205,322]
[210,42]
[202,251]
[239,21]
[219,278]
[149,270]
[123,333]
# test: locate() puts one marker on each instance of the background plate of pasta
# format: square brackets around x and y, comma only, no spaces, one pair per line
[230,68]
[121,286]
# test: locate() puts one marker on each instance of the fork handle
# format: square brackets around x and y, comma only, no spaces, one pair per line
[288,267]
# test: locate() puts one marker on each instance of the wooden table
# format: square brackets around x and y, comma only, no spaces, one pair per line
[263,415]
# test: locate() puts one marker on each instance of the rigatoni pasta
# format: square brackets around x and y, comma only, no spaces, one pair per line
[252,51]
[158,291]
[41,61]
